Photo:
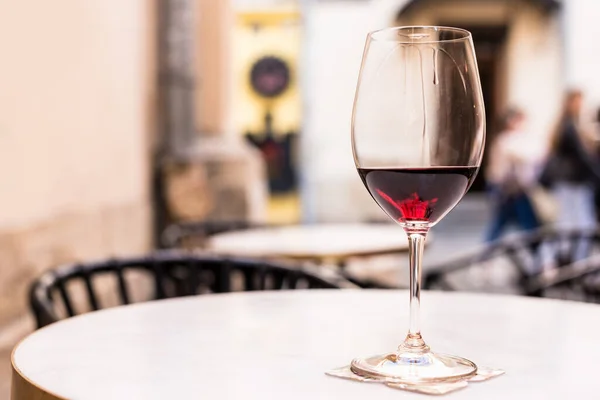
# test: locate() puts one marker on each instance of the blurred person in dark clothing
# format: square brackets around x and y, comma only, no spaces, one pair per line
[597,154]
[513,168]
[572,169]
[596,132]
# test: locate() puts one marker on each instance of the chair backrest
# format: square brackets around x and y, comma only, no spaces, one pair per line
[577,281]
[517,258]
[74,289]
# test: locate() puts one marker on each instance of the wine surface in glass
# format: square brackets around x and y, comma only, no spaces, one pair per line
[422,195]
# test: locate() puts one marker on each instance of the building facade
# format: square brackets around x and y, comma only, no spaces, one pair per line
[76,127]
[529,53]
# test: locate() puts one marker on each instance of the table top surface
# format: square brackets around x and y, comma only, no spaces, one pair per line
[269,345]
[312,241]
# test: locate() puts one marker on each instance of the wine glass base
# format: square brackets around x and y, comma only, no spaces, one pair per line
[413,368]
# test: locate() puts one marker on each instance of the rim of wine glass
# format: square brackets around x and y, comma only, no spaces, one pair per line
[373,35]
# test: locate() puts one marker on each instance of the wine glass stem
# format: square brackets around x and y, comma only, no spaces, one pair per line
[414,342]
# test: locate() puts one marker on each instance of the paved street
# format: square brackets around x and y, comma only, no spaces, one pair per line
[462,229]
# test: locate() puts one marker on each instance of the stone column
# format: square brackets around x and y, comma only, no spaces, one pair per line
[176,75]
[205,173]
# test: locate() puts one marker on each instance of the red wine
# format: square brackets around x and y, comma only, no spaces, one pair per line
[421,195]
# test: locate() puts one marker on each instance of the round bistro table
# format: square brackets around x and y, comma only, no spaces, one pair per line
[277,345]
[320,242]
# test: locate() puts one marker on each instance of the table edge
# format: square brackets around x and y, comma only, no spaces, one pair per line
[313,256]
[22,388]
[298,256]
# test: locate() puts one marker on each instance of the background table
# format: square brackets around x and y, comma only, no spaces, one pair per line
[277,345]
[323,242]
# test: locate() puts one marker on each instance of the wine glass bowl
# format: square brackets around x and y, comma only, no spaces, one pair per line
[418,134]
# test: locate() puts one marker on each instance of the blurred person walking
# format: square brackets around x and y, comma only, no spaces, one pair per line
[572,170]
[596,132]
[512,170]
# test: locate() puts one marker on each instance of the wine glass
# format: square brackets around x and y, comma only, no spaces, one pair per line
[418,133]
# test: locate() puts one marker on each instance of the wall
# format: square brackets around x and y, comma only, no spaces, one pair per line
[334,38]
[581,31]
[214,19]
[75,121]
[535,67]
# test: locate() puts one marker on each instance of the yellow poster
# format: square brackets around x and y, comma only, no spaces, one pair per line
[266,46]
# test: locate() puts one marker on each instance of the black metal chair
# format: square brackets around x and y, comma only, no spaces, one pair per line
[519,259]
[75,289]
[578,281]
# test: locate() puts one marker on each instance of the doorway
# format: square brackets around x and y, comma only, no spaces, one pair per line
[489,47]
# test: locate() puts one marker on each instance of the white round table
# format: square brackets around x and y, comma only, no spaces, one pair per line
[277,345]
[329,242]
